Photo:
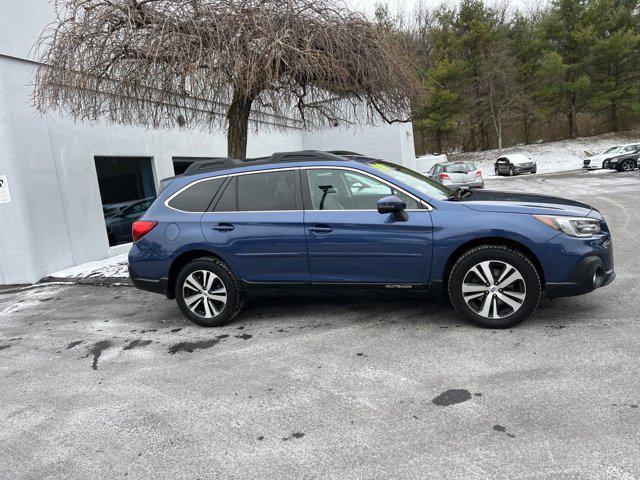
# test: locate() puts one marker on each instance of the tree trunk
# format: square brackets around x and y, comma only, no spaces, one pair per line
[438,142]
[238,117]
[499,133]
[527,140]
[573,121]
[614,116]
[614,107]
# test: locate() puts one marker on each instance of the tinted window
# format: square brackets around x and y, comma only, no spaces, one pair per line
[197,197]
[342,190]
[229,199]
[267,191]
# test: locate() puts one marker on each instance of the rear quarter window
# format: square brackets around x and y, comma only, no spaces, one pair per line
[196,197]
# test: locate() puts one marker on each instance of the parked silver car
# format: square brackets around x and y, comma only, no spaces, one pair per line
[457,174]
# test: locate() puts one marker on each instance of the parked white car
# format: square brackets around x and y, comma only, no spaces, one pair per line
[596,161]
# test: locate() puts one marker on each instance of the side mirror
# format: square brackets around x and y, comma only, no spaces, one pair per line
[393,204]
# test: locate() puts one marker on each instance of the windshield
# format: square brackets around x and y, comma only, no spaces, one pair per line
[414,180]
[612,150]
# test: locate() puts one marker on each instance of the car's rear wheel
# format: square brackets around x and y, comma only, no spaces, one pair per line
[494,286]
[497,171]
[627,165]
[207,292]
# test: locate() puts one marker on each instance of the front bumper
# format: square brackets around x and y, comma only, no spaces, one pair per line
[588,275]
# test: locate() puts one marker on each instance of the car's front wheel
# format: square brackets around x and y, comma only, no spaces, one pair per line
[512,172]
[207,292]
[494,286]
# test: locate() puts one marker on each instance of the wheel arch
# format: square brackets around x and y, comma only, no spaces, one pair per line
[181,260]
[477,242]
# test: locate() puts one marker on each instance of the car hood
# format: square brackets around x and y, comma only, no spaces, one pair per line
[601,156]
[521,161]
[510,202]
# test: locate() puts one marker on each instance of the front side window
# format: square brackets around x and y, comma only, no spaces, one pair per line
[332,189]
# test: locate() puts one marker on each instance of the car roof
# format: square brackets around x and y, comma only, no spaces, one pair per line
[224,163]
[515,156]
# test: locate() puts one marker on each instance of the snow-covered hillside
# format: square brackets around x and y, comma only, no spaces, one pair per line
[551,156]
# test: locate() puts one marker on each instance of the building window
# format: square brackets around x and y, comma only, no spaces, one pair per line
[127,190]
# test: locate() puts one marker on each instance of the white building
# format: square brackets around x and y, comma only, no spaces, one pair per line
[51,201]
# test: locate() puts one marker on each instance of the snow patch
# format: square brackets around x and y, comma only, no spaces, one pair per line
[113,267]
[559,156]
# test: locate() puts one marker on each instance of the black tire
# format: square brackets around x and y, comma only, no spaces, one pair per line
[497,253]
[511,172]
[234,299]
[497,172]
[627,165]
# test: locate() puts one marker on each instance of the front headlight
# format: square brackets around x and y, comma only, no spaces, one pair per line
[574,226]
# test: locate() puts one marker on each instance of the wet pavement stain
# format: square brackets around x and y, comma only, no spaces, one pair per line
[96,351]
[451,397]
[4,347]
[136,343]
[147,331]
[190,347]
[293,435]
[244,336]
[261,437]
[500,428]
[175,330]
[74,344]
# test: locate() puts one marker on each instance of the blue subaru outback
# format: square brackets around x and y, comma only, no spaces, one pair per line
[320,220]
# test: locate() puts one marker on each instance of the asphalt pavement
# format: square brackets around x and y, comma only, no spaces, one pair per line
[111,382]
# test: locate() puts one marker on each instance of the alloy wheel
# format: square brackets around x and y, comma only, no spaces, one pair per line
[494,289]
[628,165]
[204,294]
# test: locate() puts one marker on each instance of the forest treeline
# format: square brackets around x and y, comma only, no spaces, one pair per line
[498,76]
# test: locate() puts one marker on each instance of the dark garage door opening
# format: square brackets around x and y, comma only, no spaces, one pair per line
[127,190]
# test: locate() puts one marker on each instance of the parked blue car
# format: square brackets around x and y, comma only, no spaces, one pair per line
[325,221]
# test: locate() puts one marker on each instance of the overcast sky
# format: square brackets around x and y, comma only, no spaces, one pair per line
[407,6]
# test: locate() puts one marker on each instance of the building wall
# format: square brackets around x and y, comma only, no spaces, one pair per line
[388,142]
[55,218]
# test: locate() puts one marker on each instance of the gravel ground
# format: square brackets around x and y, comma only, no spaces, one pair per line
[110,382]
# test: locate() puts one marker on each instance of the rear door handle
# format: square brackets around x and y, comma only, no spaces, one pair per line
[321,229]
[223,227]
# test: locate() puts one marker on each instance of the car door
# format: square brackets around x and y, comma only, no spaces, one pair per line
[349,242]
[257,226]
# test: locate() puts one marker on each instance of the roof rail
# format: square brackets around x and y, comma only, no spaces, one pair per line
[210,165]
[346,153]
[219,163]
[304,155]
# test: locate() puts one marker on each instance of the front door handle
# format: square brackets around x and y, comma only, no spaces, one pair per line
[321,229]
[223,227]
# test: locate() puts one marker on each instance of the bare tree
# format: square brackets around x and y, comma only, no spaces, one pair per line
[221,64]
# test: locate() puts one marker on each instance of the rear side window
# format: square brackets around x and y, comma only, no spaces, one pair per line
[197,197]
[260,192]
[267,191]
